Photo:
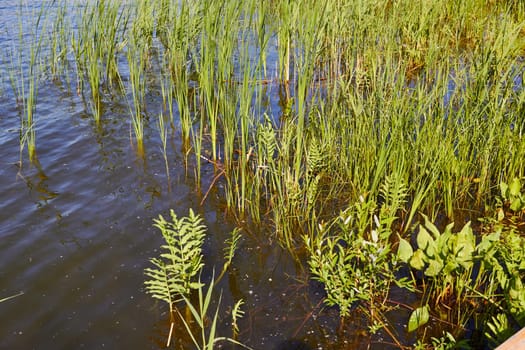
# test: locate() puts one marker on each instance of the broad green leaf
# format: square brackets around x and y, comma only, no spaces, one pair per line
[516,204]
[431,227]
[417,260]
[487,243]
[425,241]
[450,267]
[448,228]
[405,251]
[434,268]
[465,246]
[419,317]
[503,188]
[515,187]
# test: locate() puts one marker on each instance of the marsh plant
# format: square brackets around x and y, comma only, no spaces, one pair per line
[96,46]
[25,74]
[176,274]
[462,277]
[176,269]
[207,337]
[352,255]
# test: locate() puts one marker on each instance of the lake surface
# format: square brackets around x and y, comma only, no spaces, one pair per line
[76,234]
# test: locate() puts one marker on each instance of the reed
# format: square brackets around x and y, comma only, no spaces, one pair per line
[96,44]
[163,132]
[26,72]
[58,40]
[206,68]
[137,60]
[178,34]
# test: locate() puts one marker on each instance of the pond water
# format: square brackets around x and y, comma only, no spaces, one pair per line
[76,234]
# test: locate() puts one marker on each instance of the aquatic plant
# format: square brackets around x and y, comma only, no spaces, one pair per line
[460,278]
[458,272]
[447,259]
[352,255]
[58,41]
[229,251]
[137,56]
[25,75]
[207,337]
[172,277]
[431,92]
[163,131]
[512,196]
[96,44]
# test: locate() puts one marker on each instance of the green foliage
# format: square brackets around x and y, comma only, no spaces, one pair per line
[172,277]
[229,251]
[512,196]
[509,267]
[498,330]
[231,247]
[237,313]
[418,318]
[200,314]
[444,253]
[365,92]
[352,256]
[462,273]
[207,338]
[445,342]
[447,260]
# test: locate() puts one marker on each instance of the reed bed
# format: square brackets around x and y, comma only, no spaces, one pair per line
[429,93]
